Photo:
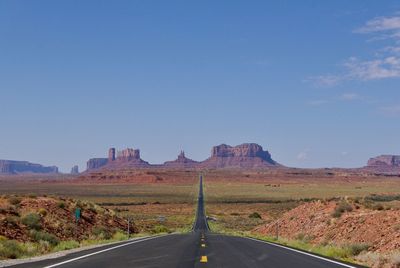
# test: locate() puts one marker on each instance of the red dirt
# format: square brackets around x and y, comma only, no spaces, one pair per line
[379,229]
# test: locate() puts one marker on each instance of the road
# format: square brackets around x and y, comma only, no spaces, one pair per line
[199,248]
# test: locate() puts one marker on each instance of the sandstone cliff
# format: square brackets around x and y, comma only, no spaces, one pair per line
[17,167]
[95,163]
[247,155]
[384,164]
[127,158]
[385,160]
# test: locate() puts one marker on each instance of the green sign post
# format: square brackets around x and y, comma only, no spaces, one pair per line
[77,214]
[77,217]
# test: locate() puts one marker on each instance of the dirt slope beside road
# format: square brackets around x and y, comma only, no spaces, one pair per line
[373,229]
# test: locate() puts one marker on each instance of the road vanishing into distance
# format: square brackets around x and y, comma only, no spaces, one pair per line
[199,248]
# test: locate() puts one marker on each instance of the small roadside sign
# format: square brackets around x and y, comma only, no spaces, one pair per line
[77,214]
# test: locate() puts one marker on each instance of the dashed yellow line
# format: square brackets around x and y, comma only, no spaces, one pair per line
[203,245]
[203,259]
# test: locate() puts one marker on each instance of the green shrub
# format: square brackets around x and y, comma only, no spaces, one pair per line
[304,238]
[119,236]
[11,220]
[255,215]
[101,232]
[383,198]
[333,251]
[356,249]
[61,204]
[160,229]
[336,213]
[11,249]
[64,245]
[42,212]
[32,220]
[43,236]
[14,200]
[341,208]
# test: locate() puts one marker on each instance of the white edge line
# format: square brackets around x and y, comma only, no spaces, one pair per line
[302,252]
[101,251]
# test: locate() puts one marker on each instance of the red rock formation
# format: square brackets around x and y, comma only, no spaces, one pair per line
[128,154]
[181,162]
[388,164]
[385,160]
[247,155]
[127,158]
[95,163]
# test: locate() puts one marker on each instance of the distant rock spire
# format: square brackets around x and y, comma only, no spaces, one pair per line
[111,154]
[75,170]
[181,155]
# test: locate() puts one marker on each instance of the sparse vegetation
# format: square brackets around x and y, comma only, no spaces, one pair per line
[356,249]
[14,200]
[42,212]
[64,245]
[383,198]
[160,229]
[101,233]
[342,207]
[61,204]
[11,220]
[10,249]
[305,238]
[32,220]
[255,215]
[43,236]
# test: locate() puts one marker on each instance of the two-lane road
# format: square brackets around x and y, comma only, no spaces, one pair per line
[200,248]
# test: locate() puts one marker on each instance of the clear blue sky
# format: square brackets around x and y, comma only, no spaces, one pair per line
[317,83]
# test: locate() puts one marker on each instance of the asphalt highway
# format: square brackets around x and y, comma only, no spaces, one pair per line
[199,248]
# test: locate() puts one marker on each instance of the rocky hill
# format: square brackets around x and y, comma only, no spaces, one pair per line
[384,164]
[360,224]
[49,223]
[247,155]
[18,167]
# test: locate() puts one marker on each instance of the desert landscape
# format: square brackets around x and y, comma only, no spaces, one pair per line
[347,214]
[181,134]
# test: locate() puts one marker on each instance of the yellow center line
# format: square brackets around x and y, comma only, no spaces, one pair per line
[203,259]
[203,245]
